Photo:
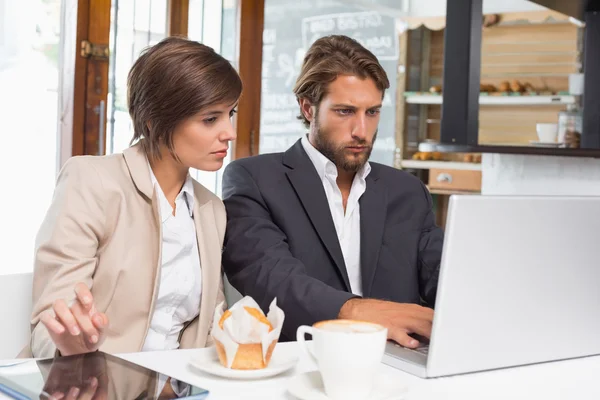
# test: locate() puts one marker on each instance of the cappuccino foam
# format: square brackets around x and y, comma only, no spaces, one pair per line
[348,326]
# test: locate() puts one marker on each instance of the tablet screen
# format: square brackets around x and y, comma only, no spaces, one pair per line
[92,376]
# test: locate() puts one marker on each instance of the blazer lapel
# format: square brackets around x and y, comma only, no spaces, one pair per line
[210,260]
[137,163]
[157,251]
[372,222]
[309,189]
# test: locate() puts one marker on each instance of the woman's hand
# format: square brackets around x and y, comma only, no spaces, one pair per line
[79,328]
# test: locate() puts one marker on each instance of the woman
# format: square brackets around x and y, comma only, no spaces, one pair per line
[128,257]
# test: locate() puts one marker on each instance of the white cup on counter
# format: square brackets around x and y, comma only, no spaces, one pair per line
[576,83]
[547,133]
[348,355]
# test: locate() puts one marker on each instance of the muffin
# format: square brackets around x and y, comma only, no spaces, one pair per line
[244,337]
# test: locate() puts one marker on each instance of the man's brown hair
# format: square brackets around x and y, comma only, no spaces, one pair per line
[173,81]
[330,57]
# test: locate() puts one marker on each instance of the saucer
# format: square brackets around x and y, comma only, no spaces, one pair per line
[543,144]
[210,363]
[309,386]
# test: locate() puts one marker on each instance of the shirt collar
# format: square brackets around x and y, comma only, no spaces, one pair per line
[188,189]
[324,165]
[165,207]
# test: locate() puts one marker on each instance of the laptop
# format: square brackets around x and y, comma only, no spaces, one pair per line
[519,284]
[95,375]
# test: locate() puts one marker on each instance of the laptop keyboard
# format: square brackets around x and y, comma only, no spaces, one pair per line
[422,349]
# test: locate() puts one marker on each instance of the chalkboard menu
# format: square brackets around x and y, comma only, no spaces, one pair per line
[291,26]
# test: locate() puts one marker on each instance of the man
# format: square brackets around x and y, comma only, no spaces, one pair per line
[319,227]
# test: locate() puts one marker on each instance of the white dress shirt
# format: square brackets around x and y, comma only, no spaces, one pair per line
[347,225]
[180,285]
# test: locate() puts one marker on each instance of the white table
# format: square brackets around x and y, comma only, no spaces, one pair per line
[571,379]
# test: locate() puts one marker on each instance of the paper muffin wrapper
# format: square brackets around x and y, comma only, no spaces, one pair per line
[242,328]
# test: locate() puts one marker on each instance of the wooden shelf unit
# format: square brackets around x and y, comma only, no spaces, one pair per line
[460,166]
[539,48]
[498,100]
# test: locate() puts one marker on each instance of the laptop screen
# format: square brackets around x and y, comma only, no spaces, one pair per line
[94,375]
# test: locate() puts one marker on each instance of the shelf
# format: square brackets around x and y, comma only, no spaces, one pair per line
[497,100]
[451,192]
[531,150]
[572,8]
[417,164]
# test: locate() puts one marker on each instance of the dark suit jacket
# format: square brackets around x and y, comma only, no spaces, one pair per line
[281,240]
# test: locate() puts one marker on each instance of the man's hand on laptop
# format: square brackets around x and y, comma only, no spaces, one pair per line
[400,319]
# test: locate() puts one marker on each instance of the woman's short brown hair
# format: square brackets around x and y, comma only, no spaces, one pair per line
[329,57]
[173,81]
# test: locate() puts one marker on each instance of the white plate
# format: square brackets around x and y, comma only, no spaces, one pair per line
[209,362]
[544,144]
[309,386]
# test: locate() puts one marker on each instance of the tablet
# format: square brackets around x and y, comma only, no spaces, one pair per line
[91,376]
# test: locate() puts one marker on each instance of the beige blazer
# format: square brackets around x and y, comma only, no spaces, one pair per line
[103,229]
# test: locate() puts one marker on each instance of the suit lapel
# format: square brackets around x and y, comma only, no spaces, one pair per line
[309,189]
[372,222]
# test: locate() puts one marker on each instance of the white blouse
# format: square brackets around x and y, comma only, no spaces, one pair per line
[180,286]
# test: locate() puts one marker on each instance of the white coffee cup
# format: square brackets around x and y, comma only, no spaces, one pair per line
[547,133]
[348,354]
[576,84]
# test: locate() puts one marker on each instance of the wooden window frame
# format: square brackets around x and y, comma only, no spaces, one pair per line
[177,17]
[84,80]
[250,27]
[249,50]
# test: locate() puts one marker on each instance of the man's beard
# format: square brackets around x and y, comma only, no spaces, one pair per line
[338,154]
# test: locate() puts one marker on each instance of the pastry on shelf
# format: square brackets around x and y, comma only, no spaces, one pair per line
[422,156]
[516,87]
[428,156]
[487,88]
[472,158]
[504,87]
[490,20]
[528,87]
[435,89]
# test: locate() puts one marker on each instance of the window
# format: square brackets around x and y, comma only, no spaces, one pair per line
[135,25]
[30,36]
[214,24]
[290,28]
